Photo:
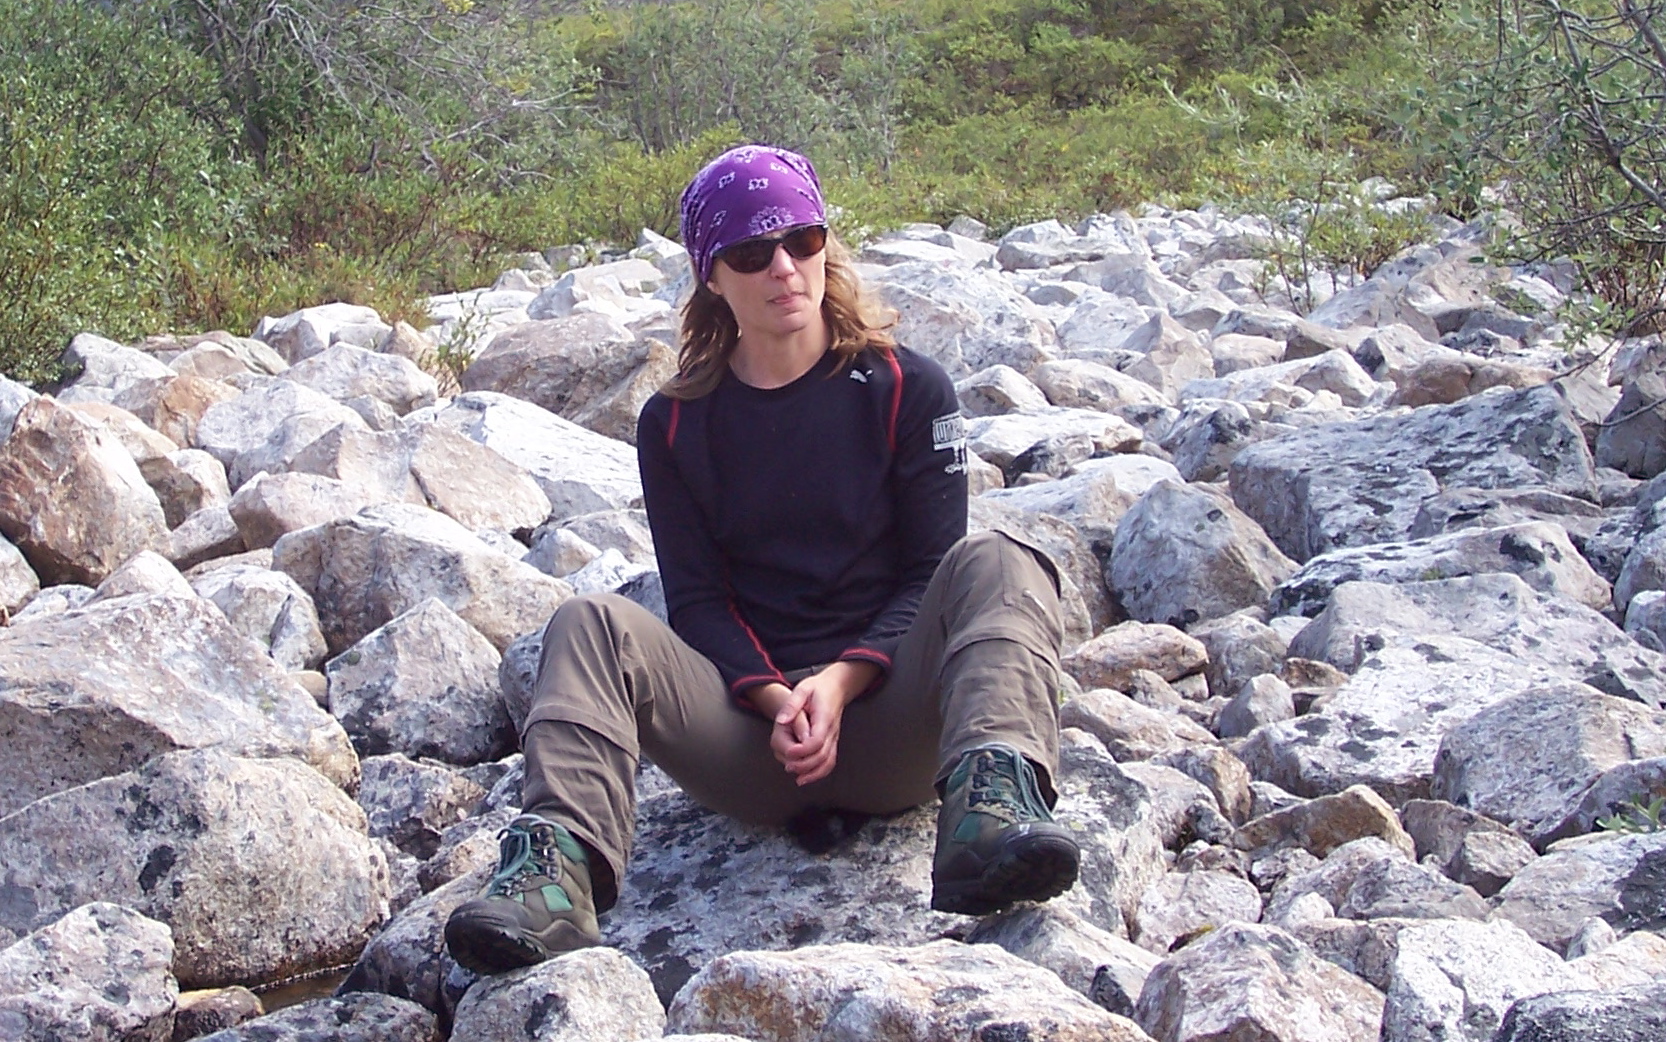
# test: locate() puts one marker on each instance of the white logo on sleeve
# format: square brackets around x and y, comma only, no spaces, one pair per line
[948,434]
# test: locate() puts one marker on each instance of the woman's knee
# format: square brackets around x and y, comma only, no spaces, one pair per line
[594,611]
[1001,555]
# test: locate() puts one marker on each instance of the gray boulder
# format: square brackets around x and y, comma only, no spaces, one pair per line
[1248,981]
[965,320]
[302,334]
[559,364]
[104,369]
[1319,826]
[363,570]
[13,395]
[1093,501]
[79,697]
[595,993]
[1548,634]
[269,609]
[207,535]
[270,506]
[1076,383]
[1454,509]
[261,868]
[1181,903]
[1066,436]
[1618,879]
[939,990]
[1644,570]
[1470,848]
[1454,981]
[1185,553]
[345,372]
[1263,699]
[1623,792]
[1384,726]
[1337,485]
[1634,436]
[1001,389]
[579,470]
[423,684]
[1631,1014]
[1538,551]
[99,974]
[1396,888]
[18,581]
[1519,761]
[411,804]
[185,481]
[1094,962]
[343,1018]
[264,427]
[1131,731]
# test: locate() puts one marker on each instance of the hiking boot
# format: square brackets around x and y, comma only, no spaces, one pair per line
[537,904]
[996,840]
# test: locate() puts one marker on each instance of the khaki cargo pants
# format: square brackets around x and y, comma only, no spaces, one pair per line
[979,665]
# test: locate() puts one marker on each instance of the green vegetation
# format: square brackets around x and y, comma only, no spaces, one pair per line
[194,164]
[1641,813]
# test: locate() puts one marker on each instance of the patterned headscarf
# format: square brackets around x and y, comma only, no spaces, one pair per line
[746,192]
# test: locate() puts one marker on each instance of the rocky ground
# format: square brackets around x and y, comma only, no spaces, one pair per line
[1363,729]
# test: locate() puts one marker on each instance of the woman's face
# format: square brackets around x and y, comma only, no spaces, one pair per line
[781,299]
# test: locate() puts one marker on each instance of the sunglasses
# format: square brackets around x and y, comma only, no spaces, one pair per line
[754,255]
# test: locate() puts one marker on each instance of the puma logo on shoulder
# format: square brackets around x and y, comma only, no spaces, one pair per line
[859,376]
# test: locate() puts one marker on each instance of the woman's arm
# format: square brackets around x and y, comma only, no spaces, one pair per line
[698,598]
[928,477]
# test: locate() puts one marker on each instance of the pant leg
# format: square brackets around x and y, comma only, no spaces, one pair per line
[614,682]
[979,665]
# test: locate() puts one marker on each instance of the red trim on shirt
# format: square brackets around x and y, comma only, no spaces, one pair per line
[671,428]
[759,645]
[896,401]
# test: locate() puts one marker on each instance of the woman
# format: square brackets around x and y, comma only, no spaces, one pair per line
[836,640]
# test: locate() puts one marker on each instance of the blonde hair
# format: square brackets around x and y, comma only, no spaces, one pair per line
[856,321]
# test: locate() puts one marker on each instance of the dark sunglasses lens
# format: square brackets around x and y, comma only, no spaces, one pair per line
[748,257]
[806,242]
[755,255]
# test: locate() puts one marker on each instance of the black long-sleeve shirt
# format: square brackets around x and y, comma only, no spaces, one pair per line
[799,525]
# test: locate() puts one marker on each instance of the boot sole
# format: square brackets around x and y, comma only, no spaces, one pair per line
[490,946]
[1037,864]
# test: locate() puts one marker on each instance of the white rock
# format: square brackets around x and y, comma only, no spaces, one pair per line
[310,331]
[939,990]
[581,472]
[965,320]
[344,372]
[270,610]
[363,570]
[596,993]
[100,974]
[261,867]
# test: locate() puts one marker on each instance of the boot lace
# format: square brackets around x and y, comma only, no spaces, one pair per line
[1006,787]
[519,857]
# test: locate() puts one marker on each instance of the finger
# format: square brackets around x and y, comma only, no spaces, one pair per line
[818,773]
[792,707]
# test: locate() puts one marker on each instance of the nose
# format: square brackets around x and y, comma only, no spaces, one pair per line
[781,263]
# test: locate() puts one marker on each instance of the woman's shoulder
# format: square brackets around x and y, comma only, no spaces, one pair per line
[918,372]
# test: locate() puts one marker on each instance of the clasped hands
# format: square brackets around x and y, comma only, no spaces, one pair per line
[805,738]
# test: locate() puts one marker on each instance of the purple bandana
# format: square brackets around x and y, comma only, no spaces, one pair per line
[746,192]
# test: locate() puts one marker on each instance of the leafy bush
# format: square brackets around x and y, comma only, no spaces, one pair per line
[1571,110]
[96,160]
